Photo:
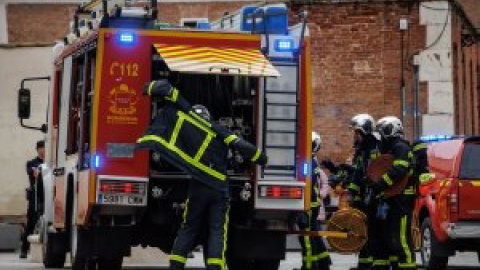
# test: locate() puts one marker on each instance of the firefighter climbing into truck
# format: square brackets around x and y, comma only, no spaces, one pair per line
[249,68]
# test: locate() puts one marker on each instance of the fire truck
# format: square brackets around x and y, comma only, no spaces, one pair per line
[448,208]
[250,68]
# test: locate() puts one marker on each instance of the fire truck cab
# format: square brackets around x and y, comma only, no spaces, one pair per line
[448,207]
[102,197]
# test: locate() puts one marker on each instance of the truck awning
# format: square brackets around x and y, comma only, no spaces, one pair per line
[216,60]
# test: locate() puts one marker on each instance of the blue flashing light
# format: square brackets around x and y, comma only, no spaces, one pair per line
[126,37]
[96,161]
[305,169]
[284,45]
[436,138]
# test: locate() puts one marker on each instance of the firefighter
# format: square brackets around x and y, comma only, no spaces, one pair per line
[314,253]
[366,145]
[199,147]
[33,172]
[399,208]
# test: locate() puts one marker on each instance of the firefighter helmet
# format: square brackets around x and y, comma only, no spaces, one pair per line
[316,142]
[390,126]
[202,111]
[363,123]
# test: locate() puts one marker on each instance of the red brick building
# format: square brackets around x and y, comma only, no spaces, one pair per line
[418,60]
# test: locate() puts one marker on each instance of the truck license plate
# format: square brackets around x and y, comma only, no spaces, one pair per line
[122,199]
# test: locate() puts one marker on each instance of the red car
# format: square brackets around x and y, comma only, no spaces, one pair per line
[448,208]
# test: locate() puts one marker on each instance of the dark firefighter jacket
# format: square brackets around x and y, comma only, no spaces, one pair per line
[400,149]
[191,143]
[364,153]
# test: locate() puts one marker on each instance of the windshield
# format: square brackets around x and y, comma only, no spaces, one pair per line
[470,167]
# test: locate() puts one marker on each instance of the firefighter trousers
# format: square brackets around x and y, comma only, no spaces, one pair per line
[314,253]
[365,258]
[203,203]
[398,234]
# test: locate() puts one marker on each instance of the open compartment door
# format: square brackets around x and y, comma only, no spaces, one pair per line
[216,60]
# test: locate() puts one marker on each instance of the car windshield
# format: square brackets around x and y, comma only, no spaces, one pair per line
[470,167]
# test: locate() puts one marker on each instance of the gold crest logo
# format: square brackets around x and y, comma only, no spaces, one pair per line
[123,100]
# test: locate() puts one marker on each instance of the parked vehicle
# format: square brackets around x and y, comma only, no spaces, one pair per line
[448,208]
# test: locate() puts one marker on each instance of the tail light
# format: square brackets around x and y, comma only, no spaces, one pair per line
[122,187]
[453,200]
[280,192]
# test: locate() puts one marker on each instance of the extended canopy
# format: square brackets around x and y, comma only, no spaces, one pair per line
[216,60]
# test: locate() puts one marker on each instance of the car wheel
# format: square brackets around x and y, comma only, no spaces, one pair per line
[428,241]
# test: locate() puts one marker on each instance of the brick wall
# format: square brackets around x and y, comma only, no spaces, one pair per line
[38,23]
[357,65]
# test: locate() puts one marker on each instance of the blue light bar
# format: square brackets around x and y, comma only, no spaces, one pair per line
[305,169]
[284,45]
[436,138]
[126,37]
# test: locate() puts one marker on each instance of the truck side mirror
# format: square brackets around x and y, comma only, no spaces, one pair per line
[24,103]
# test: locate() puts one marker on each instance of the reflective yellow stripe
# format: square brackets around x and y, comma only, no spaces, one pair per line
[401,163]
[174,96]
[357,198]
[366,260]
[393,258]
[204,146]
[184,156]
[409,191]
[425,177]
[403,241]
[215,261]
[150,86]
[177,258]
[230,139]
[353,186]
[317,170]
[419,147]
[308,253]
[407,265]
[315,204]
[256,156]
[225,234]
[199,118]
[322,255]
[387,179]
[176,130]
[380,262]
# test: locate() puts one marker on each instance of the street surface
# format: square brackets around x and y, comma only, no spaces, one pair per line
[152,260]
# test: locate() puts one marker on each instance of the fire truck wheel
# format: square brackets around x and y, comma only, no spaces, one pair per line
[265,264]
[428,242]
[239,264]
[110,263]
[51,257]
[79,262]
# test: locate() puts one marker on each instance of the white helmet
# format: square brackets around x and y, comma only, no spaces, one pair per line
[390,126]
[202,111]
[363,122]
[316,142]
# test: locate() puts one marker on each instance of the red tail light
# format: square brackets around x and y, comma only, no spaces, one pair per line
[453,200]
[122,187]
[280,192]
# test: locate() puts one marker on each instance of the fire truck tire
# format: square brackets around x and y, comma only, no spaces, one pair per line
[239,264]
[110,263]
[52,258]
[267,264]
[427,245]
